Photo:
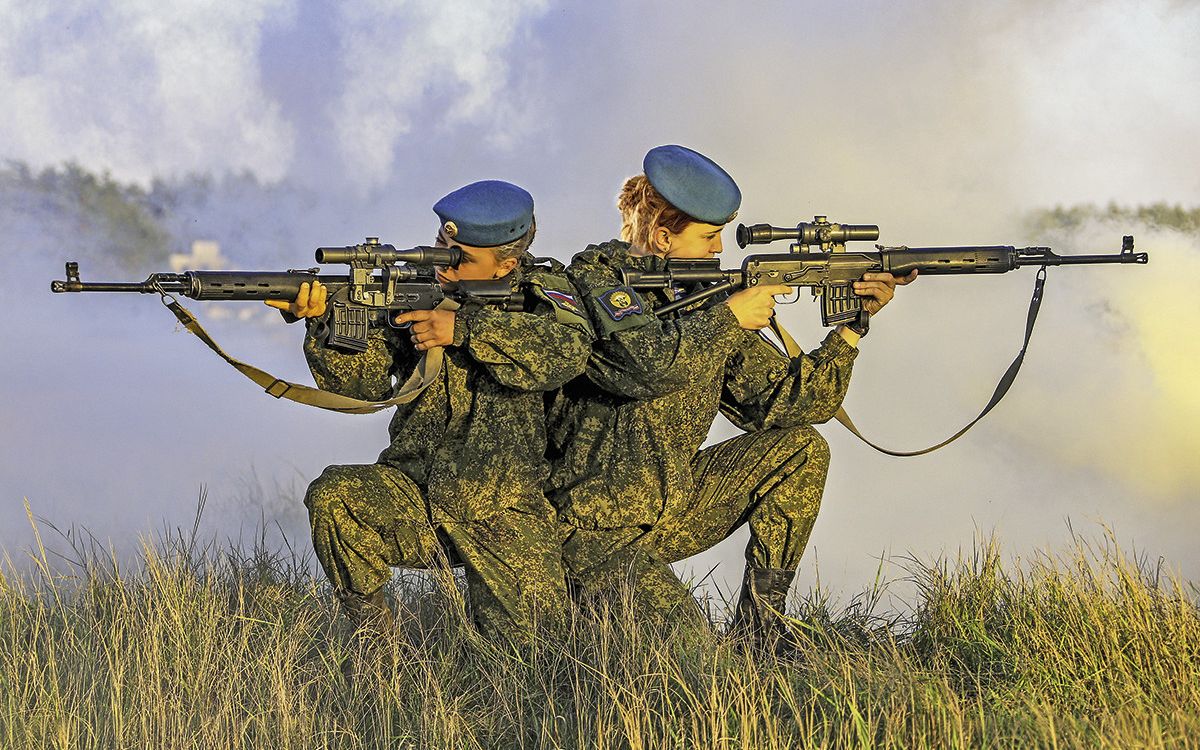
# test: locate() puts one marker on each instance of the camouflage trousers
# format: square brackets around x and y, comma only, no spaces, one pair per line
[772,480]
[367,519]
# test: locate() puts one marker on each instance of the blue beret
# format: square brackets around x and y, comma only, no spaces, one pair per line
[693,183]
[487,213]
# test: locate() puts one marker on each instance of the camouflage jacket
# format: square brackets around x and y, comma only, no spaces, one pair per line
[622,438]
[474,440]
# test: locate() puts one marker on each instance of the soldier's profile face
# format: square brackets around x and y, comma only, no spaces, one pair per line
[478,263]
[696,241]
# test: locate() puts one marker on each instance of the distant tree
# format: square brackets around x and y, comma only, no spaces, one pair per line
[105,219]
[1155,214]
[117,227]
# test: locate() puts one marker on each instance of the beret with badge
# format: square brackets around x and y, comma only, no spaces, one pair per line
[486,213]
[693,183]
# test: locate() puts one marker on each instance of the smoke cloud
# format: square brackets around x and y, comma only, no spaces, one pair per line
[140,88]
[1115,360]
[449,56]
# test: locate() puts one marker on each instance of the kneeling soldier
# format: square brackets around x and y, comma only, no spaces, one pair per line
[631,482]
[463,477]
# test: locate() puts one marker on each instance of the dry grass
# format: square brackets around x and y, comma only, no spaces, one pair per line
[228,648]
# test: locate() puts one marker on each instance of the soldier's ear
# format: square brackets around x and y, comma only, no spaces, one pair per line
[661,239]
[505,267]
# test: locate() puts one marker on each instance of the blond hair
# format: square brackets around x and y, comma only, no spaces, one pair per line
[644,210]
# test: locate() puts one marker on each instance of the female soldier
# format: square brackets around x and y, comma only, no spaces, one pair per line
[629,479]
[464,474]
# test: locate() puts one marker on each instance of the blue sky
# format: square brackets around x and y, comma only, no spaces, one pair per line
[941,122]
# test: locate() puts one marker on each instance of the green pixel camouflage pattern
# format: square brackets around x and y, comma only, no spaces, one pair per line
[633,489]
[466,464]
[367,519]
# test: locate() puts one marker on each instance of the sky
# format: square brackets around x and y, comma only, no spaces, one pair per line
[944,123]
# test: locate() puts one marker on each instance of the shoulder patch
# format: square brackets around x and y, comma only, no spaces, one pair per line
[620,301]
[563,300]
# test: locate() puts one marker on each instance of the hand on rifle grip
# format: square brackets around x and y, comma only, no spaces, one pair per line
[755,306]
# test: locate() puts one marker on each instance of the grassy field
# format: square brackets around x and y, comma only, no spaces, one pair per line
[229,648]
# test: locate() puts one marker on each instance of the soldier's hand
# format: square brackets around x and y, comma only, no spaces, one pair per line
[754,307]
[309,303]
[429,328]
[879,288]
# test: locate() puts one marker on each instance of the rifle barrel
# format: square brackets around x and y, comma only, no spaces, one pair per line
[1077,260]
[169,282]
[59,287]
[990,259]
[209,285]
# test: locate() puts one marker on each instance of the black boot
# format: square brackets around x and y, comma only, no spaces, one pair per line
[758,617]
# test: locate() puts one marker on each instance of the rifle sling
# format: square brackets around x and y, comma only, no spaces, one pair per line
[426,371]
[430,365]
[1002,387]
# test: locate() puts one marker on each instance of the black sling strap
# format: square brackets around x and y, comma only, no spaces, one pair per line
[1002,387]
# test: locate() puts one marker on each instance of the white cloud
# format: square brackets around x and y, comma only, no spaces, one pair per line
[140,88]
[398,52]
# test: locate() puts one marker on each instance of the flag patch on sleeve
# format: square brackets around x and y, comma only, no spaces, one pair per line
[563,300]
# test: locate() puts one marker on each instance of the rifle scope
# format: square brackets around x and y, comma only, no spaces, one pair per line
[378,255]
[819,232]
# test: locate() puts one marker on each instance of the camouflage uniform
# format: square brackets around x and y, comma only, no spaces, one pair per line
[633,488]
[465,470]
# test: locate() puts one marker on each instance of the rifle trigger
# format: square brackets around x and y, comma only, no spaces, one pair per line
[790,298]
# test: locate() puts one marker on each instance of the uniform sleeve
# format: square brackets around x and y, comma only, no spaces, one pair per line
[367,375]
[538,350]
[639,356]
[764,389]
